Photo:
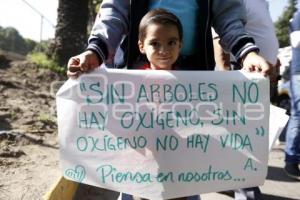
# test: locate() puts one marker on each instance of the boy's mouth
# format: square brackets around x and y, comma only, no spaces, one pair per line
[165,58]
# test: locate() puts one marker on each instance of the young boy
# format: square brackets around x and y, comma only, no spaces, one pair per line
[160,40]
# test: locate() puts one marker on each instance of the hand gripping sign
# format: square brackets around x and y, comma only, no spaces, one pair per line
[164,134]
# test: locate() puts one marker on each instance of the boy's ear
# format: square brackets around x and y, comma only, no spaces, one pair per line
[141,47]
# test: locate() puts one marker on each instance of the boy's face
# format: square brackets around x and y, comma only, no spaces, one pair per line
[161,46]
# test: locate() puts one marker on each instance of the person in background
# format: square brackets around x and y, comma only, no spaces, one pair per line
[292,141]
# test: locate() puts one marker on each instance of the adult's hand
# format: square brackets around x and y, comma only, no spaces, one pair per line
[82,63]
[252,62]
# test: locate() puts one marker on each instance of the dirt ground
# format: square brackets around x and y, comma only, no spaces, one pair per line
[28,132]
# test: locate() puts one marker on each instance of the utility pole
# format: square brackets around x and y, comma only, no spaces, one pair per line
[42,19]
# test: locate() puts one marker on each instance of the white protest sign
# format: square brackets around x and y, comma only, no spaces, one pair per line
[277,122]
[164,134]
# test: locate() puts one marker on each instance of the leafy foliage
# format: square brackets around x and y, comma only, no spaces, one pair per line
[282,24]
[11,40]
[41,60]
[42,46]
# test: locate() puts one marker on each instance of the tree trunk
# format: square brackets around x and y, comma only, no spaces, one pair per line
[71,30]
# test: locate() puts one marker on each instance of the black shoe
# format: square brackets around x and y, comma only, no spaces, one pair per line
[292,170]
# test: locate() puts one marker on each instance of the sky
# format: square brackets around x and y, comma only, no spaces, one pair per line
[18,14]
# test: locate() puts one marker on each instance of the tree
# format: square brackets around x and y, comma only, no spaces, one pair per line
[282,24]
[11,40]
[71,30]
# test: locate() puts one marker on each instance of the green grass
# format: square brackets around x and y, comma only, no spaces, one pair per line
[46,118]
[43,61]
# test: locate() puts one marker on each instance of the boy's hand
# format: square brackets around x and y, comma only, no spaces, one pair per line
[255,63]
[81,63]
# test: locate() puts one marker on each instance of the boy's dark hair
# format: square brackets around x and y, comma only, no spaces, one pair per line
[159,16]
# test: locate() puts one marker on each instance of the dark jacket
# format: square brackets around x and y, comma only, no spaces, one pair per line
[117,25]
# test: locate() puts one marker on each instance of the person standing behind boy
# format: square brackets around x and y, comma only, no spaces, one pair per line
[292,141]
[121,18]
[259,25]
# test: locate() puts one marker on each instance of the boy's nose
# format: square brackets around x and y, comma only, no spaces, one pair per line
[163,50]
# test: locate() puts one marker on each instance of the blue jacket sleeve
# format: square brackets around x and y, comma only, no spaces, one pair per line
[109,27]
[228,20]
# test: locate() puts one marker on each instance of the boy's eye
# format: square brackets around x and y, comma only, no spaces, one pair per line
[154,44]
[172,43]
